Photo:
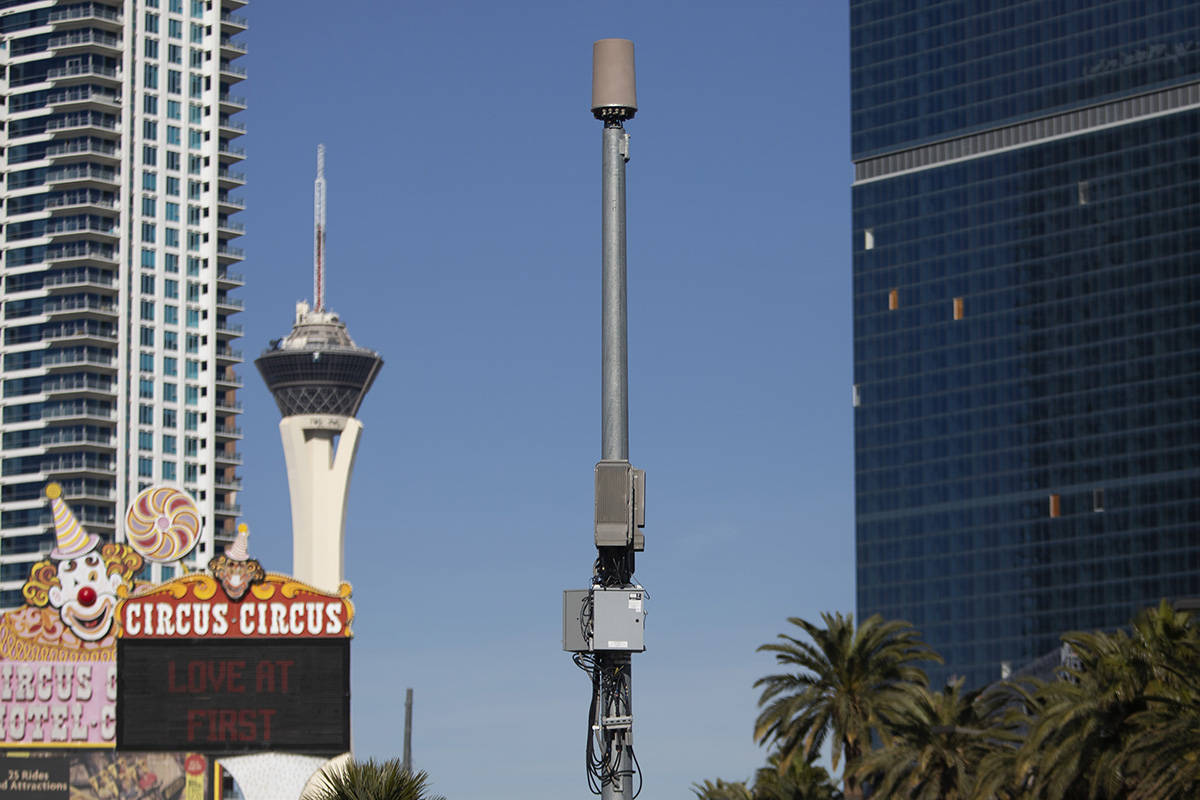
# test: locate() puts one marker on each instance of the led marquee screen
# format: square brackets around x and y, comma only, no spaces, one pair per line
[234,696]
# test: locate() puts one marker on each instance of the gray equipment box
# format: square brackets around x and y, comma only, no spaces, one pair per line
[619,619]
[577,620]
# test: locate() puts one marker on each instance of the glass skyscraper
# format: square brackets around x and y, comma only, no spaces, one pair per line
[1026,266]
[117,128]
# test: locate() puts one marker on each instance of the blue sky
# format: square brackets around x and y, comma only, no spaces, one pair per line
[464,245]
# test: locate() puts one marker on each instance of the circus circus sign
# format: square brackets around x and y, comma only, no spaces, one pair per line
[198,607]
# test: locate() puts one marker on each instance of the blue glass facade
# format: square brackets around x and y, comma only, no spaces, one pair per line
[1026,324]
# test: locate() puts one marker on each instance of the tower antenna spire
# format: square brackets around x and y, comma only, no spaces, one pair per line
[319,232]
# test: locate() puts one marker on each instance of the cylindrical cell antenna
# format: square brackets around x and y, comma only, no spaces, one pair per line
[614,87]
[319,232]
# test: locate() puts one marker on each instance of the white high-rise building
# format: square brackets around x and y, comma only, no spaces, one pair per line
[118,136]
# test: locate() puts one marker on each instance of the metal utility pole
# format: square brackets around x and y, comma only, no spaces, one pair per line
[605,624]
[407,763]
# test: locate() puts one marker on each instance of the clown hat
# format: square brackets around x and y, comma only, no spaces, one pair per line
[73,540]
[237,551]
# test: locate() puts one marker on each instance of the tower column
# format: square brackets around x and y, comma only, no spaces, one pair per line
[319,453]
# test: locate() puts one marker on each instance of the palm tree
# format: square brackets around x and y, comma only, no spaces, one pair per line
[800,781]
[1098,731]
[937,744]
[845,683]
[370,780]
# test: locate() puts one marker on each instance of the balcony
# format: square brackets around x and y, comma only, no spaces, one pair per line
[228,229]
[74,306]
[84,40]
[79,200]
[82,174]
[231,74]
[231,103]
[87,122]
[228,280]
[84,72]
[229,305]
[232,47]
[228,180]
[83,97]
[81,253]
[228,328]
[230,155]
[227,382]
[228,432]
[89,148]
[76,279]
[227,509]
[223,457]
[92,14]
[227,254]
[229,205]
[232,23]
[231,127]
[228,484]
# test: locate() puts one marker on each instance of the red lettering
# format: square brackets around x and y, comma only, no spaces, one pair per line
[196,677]
[246,722]
[194,720]
[284,666]
[234,674]
[216,675]
[264,677]
[266,713]
[228,725]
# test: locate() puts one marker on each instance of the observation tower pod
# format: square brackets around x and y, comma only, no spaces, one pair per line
[319,377]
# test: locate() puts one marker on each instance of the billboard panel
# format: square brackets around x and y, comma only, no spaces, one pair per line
[103,775]
[234,696]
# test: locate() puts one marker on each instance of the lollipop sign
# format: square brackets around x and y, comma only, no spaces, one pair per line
[162,524]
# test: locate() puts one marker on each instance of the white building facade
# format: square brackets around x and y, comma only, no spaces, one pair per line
[119,194]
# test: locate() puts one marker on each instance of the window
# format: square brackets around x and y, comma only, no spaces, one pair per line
[148,310]
[196,58]
[172,184]
[177,6]
[174,109]
[151,23]
[190,474]
[198,9]
[170,366]
[193,292]
[958,308]
[196,85]
[151,48]
[170,393]
[145,440]
[147,263]
[1097,499]
[173,160]
[193,241]
[193,215]
[195,114]
[869,239]
[174,54]
[197,34]
[893,299]
[149,155]
[146,389]
[171,315]
[191,420]
[193,343]
[149,181]
[173,136]
[145,468]
[171,262]
[148,232]
[170,288]
[148,207]
[171,211]
[169,446]
[193,266]
[191,395]
[195,139]
[150,76]
[168,474]
[176,29]
[193,318]
[150,129]
[174,81]
[170,340]
[191,445]
[193,190]
[150,104]
[147,335]
[146,362]
[170,418]
[146,415]
[1055,505]
[171,237]
[193,369]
